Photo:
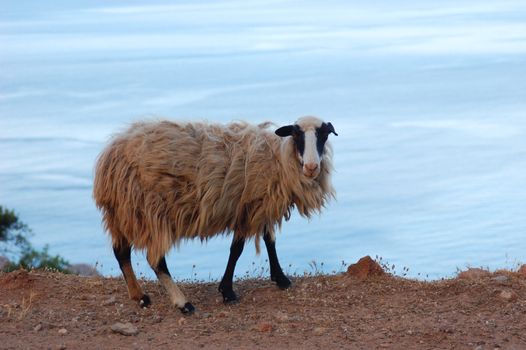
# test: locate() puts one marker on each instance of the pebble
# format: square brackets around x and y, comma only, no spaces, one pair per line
[124,328]
[501,278]
[319,330]
[62,347]
[295,318]
[62,331]
[181,321]
[157,319]
[282,317]
[112,300]
[508,295]
[38,327]
[522,271]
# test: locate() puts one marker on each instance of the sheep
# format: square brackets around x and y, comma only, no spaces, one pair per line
[162,182]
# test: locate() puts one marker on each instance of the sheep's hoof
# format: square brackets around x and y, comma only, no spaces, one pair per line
[187,309]
[282,281]
[229,296]
[230,299]
[145,301]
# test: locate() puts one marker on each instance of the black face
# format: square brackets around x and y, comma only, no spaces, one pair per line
[322,134]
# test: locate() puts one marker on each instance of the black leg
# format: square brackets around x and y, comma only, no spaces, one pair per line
[122,252]
[225,287]
[177,297]
[276,273]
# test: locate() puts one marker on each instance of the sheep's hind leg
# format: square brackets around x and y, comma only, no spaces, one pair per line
[176,296]
[225,287]
[123,254]
[276,273]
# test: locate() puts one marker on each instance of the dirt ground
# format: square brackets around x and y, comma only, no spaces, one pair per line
[479,310]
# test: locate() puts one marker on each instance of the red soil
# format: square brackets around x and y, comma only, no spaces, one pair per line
[43,310]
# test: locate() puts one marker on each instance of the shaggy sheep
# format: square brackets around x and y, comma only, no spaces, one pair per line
[162,182]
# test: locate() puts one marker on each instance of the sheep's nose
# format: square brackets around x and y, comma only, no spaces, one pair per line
[311,166]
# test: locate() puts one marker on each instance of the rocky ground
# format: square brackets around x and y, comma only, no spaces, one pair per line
[361,309]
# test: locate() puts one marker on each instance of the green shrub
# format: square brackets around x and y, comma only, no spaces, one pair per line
[14,234]
[14,242]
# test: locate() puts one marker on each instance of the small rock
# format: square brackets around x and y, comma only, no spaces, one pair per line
[38,327]
[508,295]
[473,274]
[62,347]
[62,331]
[501,278]
[83,270]
[522,271]
[447,330]
[295,318]
[181,321]
[124,328]
[364,268]
[319,331]
[112,300]
[157,319]
[282,317]
[265,327]
[205,315]
[222,314]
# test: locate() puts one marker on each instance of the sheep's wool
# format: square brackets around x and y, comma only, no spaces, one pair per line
[161,182]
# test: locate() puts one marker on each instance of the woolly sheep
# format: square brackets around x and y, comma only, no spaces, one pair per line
[161,182]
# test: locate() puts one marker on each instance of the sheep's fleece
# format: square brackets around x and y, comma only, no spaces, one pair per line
[160,182]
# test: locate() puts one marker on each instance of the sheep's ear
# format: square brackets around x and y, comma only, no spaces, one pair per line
[331,129]
[285,130]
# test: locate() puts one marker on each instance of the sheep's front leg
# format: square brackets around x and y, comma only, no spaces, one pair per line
[225,287]
[276,273]
[176,296]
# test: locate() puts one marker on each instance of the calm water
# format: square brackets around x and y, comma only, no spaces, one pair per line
[429,102]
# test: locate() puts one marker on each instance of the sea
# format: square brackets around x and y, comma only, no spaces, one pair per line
[428,99]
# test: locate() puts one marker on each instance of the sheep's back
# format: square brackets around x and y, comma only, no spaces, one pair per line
[162,182]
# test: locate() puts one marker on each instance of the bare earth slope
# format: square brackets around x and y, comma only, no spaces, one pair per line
[43,310]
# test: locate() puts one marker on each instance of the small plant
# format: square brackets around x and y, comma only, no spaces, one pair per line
[26,305]
[316,270]
[391,268]
[13,233]
[343,266]
[34,259]
[14,242]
